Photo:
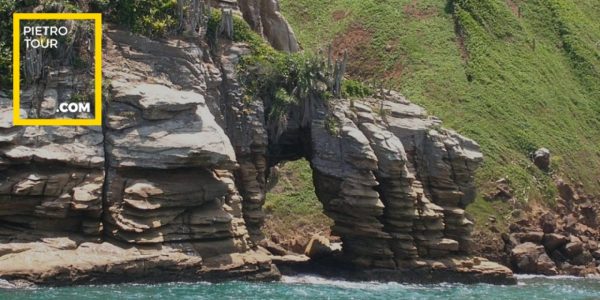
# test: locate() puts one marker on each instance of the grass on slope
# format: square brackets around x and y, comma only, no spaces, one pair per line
[514,75]
[292,207]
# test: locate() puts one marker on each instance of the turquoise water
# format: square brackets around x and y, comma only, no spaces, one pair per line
[309,287]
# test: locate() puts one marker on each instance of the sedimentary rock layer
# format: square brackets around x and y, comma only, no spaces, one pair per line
[176,176]
[373,188]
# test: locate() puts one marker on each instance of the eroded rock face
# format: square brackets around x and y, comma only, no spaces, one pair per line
[156,179]
[51,178]
[177,175]
[265,17]
[170,166]
[246,128]
[395,183]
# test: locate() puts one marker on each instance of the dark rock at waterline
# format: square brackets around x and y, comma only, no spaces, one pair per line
[532,259]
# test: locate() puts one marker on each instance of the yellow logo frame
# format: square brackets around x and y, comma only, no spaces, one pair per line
[97,18]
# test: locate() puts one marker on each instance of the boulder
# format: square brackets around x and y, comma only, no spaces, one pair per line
[565,191]
[531,236]
[573,249]
[273,248]
[541,158]
[596,254]
[524,258]
[589,213]
[548,222]
[319,246]
[558,256]
[569,269]
[545,265]
[582,258]
[592,245]
[554,241]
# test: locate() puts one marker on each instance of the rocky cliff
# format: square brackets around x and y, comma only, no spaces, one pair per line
[172,185]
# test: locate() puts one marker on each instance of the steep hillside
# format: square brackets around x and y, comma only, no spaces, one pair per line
[513,75]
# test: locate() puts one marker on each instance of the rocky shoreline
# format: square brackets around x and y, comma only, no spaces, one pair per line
[63,261]
[562,240]
[171,187]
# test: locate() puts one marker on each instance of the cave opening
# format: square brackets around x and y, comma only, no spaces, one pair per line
[294,214]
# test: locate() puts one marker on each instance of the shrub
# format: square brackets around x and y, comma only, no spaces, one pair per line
[355,89]
[154,18]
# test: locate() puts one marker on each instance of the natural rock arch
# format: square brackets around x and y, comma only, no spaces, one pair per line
[394,182]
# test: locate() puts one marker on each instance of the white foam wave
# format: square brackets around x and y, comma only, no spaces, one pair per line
[535,276]
[363,285]
[4,284]
[317,280]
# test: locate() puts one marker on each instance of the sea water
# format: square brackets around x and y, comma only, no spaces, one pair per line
[311,287]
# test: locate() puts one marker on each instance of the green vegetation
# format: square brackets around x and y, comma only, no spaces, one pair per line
[241,33]
[355,89]
[6,7]
[513,75]
[333,126]
[9,7]
[281,80]
[292,205]
[153,18]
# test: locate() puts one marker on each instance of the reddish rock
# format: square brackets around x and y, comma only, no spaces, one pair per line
[545,265]
[573,249]
[548,222]
[532,236]
[553,241]
[565,191]
[524,257]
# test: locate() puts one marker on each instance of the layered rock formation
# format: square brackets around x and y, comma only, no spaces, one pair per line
[50,178]
[158,177]
[370,169]
[172,185]
[170,164]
